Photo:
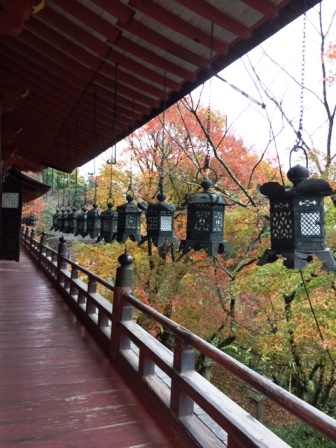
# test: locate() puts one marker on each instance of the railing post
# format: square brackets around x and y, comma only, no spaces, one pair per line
[92,289]
[74,276]
[26,234]
[32,239]
[43,249]
[62,252]
[184,361]
[123,285]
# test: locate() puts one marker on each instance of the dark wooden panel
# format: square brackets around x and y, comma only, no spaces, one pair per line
[57,389]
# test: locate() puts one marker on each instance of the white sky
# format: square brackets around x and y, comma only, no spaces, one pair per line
[248,119]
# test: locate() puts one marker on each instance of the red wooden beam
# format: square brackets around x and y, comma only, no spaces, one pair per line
[171,20]
[53,37]
[77,34]
[158,40]
[205,9]
[268,9]
[90,18]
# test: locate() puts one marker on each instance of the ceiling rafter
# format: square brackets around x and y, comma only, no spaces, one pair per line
[217,17]
[160,14]
[267,8]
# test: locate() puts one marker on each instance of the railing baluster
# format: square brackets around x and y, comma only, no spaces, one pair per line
[146,365]
[103,320]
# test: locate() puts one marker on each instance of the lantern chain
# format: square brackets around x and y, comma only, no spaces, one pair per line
[76,171]
[95,145]
[110,188]
[299,140]
[207,157]
[160,167]
[303,68]
[130,185]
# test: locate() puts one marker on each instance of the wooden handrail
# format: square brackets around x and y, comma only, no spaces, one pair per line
[299,408]
[122,338]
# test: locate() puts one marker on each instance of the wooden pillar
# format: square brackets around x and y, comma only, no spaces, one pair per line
[123,285]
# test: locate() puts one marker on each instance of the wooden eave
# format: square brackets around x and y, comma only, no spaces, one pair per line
[154,52]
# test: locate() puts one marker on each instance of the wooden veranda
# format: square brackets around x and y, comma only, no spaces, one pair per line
[57,387]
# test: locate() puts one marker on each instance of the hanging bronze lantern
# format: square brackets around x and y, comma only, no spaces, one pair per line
[72,218]
[32,220]
[160,222]
[65,220]
[29,220]
[82,222]
[109,224]
[93,222]
[54,219]
[297,220]
[205,222]
[59,221]
[128,221]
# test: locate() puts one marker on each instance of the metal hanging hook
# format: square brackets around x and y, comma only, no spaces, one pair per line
[296,148]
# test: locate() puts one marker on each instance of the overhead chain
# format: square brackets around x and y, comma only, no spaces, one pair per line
[160,167]
[303,68]
[207,156]
[130,185]
[95,145]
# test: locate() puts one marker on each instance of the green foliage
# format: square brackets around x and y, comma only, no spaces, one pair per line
[302,436]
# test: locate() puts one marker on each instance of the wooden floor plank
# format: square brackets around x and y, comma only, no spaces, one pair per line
[57,388]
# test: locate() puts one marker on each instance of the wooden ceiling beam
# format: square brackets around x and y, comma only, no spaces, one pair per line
[40,76]
[125,62]
[75,33]
[159,41]
[268,9]
[205,9]
[53,37]
[64,75]
[117,9]
[90,19]
[172,21]
[128,80]
[153,59]
[56,56]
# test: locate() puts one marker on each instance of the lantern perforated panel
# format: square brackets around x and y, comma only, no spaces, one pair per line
[132,221]
[310,224]
[152,221]
[166,223]
[282,225]
[218,222]
[10,200]
[202,220]
[105,225]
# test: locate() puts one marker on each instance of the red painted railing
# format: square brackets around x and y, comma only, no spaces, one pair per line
[210,417]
